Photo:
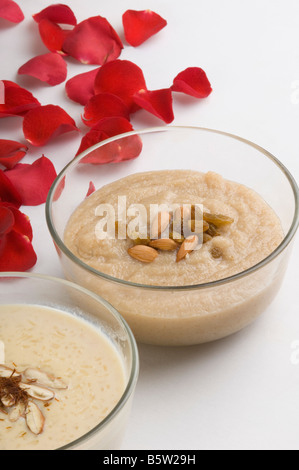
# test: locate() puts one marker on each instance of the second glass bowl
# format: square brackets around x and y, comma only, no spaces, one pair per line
[188,314]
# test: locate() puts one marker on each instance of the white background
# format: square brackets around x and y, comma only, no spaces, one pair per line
[241,392]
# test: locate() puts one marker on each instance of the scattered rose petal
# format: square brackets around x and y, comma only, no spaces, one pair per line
[46,122]
[11,153]
[8,193]
[18,100]
[16,252]
[50,68]
[91,189]
[7,220]
[93,41]
[52,35]
[157,102]
[192,81]
[58,13]
[11,11]
[121,78]
[141,25]
[33,181]
[124,149]
[21,222]
[104,105]
[81,87]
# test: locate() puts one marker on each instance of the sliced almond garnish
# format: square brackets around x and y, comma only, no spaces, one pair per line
[39,393]
[160,224]
[188,245]
[7,372]
[143,253]
[44,378]
[8,400]
[17,411]
[35,420]
[164,244]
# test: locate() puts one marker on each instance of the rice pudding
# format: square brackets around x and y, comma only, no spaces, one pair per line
[72,376]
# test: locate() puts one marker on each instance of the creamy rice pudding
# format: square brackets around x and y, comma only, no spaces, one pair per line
[72,377]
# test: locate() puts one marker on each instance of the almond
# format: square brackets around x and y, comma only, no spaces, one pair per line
[35,420]
[164,244]
[143,253]
[160,224]
[188,245]
[17,411]
[7,372]
[8,400]
[39,393]
[44,378]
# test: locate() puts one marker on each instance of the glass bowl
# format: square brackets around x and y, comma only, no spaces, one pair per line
[190,314]
[28,289]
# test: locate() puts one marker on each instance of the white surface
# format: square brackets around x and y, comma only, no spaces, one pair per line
[241,392]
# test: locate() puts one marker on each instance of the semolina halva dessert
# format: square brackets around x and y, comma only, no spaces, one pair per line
[176,229]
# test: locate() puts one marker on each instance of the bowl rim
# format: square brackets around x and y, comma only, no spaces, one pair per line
[134,372]
[170,128]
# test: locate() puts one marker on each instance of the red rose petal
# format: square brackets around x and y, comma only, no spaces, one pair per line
[7,220]
[50,68]
[157,102]
[192,81]
[46,122]
[11,153]
[58,13]
[33,181]
[8,193]
[124,149]
[104,105]
[18,100]
[81,87]
[121,78]
[91,189]
[52,35]
[16,252]
[11,11]
[141,25]
[93,41]
[21,222]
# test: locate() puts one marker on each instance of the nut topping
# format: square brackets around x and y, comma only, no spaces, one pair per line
[44,379]
[7,372]
[39,393]
[160,224]
[188,245]
[203,227]
[18,390]
[35,420]
[164,244]
[143,253]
